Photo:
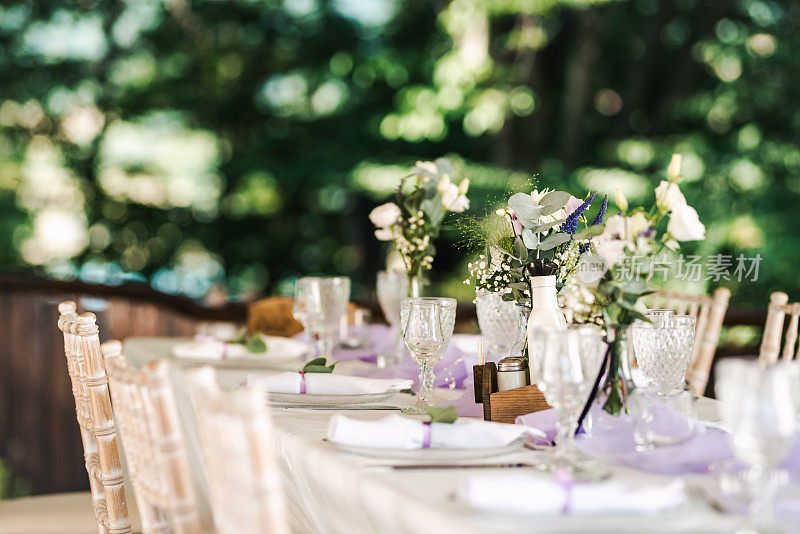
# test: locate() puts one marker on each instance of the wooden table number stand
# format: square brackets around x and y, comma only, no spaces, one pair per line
[504,406]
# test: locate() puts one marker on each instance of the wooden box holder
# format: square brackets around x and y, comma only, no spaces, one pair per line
[504,406]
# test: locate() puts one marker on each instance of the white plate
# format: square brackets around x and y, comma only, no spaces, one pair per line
[431,455]
[279,350]
[305,399]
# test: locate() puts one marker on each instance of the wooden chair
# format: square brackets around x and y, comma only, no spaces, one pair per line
[235,436]
[153,444]
[770,349]
[95,419]
[709,311]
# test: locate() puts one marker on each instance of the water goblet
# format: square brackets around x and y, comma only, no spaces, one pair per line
[320,302]
[422,334]
[564,367]
[499,321]
[663,350]
[760,407]
[392,288]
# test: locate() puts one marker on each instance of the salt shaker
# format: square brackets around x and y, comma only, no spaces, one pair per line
[512,373]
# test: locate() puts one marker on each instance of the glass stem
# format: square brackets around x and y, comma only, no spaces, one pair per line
[425,380]
[324,344]
[565,437]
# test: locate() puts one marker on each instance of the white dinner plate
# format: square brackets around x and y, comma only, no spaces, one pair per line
[431,455]
[308,399]
[280,350]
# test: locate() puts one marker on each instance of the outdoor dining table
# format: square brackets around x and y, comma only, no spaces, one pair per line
[328,490]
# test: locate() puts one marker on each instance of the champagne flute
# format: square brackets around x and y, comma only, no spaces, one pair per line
[424,338]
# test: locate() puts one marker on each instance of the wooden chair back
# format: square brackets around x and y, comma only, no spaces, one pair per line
[95,419]
[236,438]
[709,312]
[153,443]
[779,307]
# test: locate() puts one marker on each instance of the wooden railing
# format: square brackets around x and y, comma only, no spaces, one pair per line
[39,437]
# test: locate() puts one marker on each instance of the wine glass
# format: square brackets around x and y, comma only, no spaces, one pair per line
[392,289]
[499,321]
[760,407]
[448,321]
[564,365]
[422,334]
[320,302]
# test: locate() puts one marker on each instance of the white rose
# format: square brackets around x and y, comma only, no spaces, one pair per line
[615,228]
[684,224]
[385,215]
[537,196]
[668,195]
[452,199]
[612,251]
[384,234]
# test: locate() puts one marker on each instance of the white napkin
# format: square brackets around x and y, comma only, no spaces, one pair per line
[526,494]
[398,432]
[210,350]
[326,383]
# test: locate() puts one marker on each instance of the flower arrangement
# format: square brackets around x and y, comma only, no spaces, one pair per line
[633,237]
[413,220]
[536,233]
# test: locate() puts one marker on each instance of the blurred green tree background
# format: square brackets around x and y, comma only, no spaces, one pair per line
[243,143]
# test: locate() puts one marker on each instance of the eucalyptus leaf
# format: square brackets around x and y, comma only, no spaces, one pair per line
[530,239]
[589,231]
[524,206]
[547,226]
[442,415]
[520,249]
[554,201]
[552,241]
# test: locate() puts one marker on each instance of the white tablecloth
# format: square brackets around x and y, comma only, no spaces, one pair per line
[331,491]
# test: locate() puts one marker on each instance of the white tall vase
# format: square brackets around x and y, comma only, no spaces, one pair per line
[545,312]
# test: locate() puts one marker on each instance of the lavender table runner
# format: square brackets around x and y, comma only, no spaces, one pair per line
[612,439]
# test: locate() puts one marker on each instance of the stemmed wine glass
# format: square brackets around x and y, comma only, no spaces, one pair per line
[445,316]
[320,302]
[760,407]
[564,365]
[392,289]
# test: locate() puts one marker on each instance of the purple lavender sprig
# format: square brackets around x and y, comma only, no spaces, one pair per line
[597,220]
[602,213]
[570,225]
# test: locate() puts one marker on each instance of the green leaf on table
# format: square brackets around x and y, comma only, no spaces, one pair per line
[319,365]
[442,415]
[256,344]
